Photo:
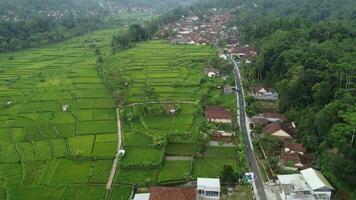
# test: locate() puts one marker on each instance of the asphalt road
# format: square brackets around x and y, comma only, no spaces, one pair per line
[259,187]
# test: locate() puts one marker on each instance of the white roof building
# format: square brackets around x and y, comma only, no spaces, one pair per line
[317,182]
[310,184]
[208,188]
[143,196]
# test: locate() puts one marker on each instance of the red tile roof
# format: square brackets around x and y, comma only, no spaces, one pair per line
[257,88]
[275,115]
[259,120]
[216,112]
[171,193]
[294,146]
[276,126]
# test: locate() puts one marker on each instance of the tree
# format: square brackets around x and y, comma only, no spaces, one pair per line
[228,175]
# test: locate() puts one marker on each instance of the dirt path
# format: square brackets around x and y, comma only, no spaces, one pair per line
[116,160]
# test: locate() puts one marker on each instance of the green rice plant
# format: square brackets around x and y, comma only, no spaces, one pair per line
[121,192]
[141,177]
[174,170]
[81,145]
[59,147]
[142,157]
[79,192]
[211,167]
[101,171]
[92,127]
[43,150]
[181,149]
[26,151]
[71,171]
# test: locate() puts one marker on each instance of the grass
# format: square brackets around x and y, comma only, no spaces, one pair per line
[211,167]
[174,170]
[69,171]
[181,149]
[141,177]
[137,156]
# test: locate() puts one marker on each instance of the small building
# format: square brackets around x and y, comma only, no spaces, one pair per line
[65,108]
[273,116]
[227,89]
[208,189]
[279,130]
[258,121]
[291,147]
[263,92]
[172,193]
[309,184]
[317,182]
[296,161]
[211,72]
[142,196]
[170,108]
[218,114]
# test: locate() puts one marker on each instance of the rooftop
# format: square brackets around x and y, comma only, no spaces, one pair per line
[315,179]
[276,126]
[172,193]
[217,112]
[210,184]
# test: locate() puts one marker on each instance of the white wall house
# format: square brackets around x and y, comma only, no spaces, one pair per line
[310,184]
[208,189]
[322,189]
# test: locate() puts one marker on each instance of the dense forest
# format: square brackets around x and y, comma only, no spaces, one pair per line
[307,51]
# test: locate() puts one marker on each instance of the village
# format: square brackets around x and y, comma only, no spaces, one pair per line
[292,174]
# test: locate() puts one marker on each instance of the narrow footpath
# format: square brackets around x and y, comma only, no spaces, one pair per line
[116,160]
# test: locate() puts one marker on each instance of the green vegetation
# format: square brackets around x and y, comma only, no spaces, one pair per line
[174,170]
[43,148]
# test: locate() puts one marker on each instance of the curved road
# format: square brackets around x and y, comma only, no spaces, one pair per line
[253,166]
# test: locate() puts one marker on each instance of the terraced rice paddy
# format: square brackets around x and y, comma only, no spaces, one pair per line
[46,153]
[173,72]
[49,153]
[154,74]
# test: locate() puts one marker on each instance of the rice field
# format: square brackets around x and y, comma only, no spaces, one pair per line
[58,133]
[43,149]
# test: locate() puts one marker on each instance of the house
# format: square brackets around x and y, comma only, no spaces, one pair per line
[222,134]
[208,189]
[227,89]
[279,130]
[273,116]
[211,72]
[65,108]
[143,196]
[291,147]
[222,56]
[291,161]
[218,114]
[317,182]
[309,184]
[293,187]
[258,121]
[295,157]
[263,92]
[172,193]
[170,108]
